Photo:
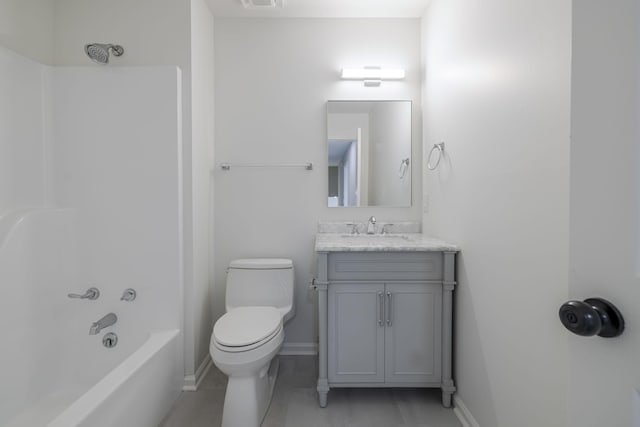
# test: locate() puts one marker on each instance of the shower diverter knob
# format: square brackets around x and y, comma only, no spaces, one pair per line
[593,316]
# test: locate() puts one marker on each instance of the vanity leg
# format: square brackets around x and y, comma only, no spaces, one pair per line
[446,399]
[447,393]
[323,390]
[448,285]
[322,288]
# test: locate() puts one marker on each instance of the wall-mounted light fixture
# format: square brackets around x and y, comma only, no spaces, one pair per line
[372,76]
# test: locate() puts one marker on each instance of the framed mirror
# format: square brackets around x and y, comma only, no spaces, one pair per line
[369,153]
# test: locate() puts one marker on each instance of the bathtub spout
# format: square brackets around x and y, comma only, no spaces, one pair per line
[106,321]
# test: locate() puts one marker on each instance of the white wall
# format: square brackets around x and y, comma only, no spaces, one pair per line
[273,78]
[27,26]
[26,41]
[202,80]
[496,91]
[152,32]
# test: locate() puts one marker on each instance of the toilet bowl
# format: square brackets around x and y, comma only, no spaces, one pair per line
[246,339]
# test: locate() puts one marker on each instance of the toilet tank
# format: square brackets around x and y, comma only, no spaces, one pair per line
[261,282]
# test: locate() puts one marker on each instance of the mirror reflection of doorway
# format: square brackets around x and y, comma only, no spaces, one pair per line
[343,173]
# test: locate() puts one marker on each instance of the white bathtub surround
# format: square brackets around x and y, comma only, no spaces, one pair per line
[177,33]
[108,124]
[37,370]
[22,121]
[97,213]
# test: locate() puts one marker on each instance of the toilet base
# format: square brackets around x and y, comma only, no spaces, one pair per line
[248,397]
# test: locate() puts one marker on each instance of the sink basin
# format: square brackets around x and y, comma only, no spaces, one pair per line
[376,236]
[379,241]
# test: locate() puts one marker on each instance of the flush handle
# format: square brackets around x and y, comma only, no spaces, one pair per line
[593,316]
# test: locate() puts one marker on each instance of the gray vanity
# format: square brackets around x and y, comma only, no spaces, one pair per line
[385,311]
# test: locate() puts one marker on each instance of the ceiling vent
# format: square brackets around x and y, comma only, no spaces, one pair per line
[262,4]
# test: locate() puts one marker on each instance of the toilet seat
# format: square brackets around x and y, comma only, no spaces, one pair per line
[246,328]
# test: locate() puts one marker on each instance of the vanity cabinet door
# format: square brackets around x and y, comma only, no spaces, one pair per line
[356,332]
[413,330]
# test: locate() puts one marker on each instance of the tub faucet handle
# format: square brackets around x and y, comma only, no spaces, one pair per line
[128,295]
[91,294]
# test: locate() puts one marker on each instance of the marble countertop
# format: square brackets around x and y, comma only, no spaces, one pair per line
[391,242]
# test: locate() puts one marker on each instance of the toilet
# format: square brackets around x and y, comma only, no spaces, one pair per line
[247,337]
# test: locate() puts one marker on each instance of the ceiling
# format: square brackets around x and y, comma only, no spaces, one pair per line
[325,9]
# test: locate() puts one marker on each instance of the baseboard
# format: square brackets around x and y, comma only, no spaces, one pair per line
[299,349]
[463,413]
[192,382]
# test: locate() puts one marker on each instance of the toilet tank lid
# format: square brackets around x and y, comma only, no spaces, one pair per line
[261,263]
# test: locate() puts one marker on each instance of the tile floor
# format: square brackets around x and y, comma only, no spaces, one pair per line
[295,403]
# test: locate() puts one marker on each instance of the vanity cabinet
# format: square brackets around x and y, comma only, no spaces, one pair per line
[385,320]
[384,333]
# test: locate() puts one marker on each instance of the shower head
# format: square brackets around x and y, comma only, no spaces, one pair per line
[99,52]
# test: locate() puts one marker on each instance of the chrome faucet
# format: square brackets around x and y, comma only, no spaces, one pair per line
[106,321]
[371,227]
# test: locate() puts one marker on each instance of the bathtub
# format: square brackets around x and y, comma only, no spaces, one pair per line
[54,373]
[136,393]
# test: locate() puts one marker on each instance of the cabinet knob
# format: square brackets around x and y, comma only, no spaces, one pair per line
[593,316]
